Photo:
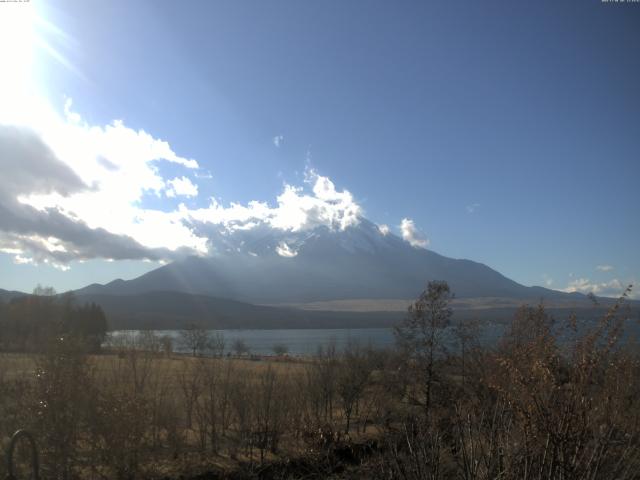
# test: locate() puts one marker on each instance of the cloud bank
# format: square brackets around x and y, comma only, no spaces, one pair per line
[612,288]
[295,209]
[48,233]
[75,191]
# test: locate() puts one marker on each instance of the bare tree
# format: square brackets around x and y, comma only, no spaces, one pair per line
[280,349]
[323,378]
[147,340]
[43,291]
[240,347]
[216,344]
[467,332]
[356,367]
[269,411]
[421,335]
[195,338]
[190,385]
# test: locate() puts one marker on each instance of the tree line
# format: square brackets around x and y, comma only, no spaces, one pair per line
[29,323]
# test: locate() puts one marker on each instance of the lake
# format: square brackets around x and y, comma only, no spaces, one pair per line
[303,341]
[307,341]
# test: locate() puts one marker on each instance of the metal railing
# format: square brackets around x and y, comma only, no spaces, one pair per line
[35,467]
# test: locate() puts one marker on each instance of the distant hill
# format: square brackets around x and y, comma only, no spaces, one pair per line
[175,310]
[7,295]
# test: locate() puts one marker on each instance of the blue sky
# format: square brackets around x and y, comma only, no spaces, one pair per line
[509,132]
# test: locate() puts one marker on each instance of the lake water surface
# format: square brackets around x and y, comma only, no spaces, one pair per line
[307,341]
[302,341]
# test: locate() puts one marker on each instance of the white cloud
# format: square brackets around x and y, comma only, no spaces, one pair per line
[75,192]
[324,188]
[182,186]
[295,210]
[411,234]
[78,186]
[384,229]
[472,208]
[612,288]
[548,281]
[285,250]
[604,268]
[203,175]
[277,140]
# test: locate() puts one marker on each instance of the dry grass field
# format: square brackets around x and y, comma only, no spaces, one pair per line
[136,412]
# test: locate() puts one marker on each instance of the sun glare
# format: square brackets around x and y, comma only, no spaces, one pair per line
[23,32]
[17,34]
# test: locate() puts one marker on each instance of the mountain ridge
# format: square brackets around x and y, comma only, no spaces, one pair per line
[8,295]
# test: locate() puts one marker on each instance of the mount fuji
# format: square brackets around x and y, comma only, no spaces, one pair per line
[263,265]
